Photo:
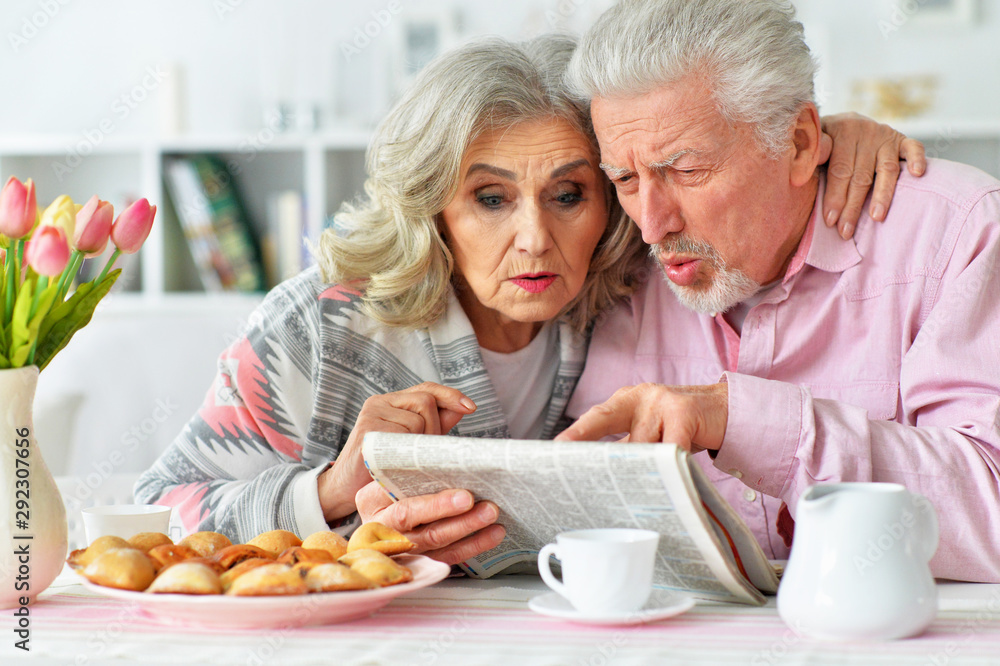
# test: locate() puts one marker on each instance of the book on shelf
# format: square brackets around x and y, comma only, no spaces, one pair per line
[283,248]
[544,487]
[215,224]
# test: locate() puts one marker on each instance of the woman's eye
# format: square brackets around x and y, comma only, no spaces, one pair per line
[490,200]
[569,198]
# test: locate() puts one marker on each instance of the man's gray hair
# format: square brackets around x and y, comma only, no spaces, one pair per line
[750,52]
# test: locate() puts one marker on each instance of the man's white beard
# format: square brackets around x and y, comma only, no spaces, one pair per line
[729,286]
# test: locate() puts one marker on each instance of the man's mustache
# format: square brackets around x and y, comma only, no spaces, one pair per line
[681,244]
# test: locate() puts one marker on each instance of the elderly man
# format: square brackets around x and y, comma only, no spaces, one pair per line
[792,356]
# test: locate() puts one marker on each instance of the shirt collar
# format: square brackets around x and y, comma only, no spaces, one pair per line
[821,246]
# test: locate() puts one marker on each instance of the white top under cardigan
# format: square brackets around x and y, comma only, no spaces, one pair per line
[523,381]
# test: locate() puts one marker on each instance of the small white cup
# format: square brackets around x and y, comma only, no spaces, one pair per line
[125,520]
[604,571]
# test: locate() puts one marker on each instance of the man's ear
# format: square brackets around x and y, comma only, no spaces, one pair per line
[806,145]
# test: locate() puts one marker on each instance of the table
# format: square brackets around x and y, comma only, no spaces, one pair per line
[473,622]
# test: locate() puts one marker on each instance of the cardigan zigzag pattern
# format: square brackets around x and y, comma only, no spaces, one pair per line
[287,393]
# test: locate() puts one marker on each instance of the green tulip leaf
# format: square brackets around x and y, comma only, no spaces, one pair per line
[25,324]
[19,333]
[69,317]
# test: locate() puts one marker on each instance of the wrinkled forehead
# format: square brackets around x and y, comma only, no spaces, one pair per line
[555,137]
[661,126]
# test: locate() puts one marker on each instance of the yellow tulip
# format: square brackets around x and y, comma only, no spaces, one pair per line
[61,213]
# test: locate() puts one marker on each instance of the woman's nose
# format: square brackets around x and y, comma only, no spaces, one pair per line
[533,235]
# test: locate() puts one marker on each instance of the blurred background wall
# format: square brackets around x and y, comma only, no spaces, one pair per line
[223,64]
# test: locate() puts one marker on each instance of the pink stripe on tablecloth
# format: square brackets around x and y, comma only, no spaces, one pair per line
[422,621]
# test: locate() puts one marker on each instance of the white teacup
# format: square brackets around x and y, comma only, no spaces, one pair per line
[125,520]
[604,571]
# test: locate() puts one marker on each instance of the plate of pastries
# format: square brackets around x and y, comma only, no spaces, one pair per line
[274,580]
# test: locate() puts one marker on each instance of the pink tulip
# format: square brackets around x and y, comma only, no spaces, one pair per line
[93,227]
[18,208]
[48,251]
[131,229]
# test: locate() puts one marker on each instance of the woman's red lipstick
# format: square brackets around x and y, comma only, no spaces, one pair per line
[534,283]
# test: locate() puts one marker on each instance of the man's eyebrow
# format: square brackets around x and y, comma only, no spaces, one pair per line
[489,168]
[614,172]
[559,172]
[671,159]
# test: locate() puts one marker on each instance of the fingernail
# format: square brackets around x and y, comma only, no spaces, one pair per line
[846,233]
[488,511]
[462,500]
[878,211]
[468,404]
[831,217]
[919,168]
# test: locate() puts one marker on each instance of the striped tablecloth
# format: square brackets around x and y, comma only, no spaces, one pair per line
[469,622]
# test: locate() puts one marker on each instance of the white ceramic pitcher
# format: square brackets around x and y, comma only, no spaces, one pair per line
[859,566]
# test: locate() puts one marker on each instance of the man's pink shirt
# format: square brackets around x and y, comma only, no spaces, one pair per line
[874,359]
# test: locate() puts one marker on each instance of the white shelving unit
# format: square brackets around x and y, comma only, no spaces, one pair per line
[326,168]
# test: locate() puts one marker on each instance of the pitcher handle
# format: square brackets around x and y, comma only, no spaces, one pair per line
[928,522]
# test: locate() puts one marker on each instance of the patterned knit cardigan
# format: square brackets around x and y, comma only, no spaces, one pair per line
[287,393]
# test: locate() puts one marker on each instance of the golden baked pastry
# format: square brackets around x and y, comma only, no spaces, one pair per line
[188,577]
[275,541]
[268,580]
[209,562]
[233,555]
[80,558]
[334,578]
[376,567]
[122,568]
[376,536]
[169,554]
[297,554]
[227,577]
[206,544]
[145,541]
[331,542]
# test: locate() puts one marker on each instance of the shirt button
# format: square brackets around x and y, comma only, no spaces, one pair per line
[736,473]
[749,494]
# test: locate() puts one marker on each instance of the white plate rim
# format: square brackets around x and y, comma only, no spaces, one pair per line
[426,572]
[552,604]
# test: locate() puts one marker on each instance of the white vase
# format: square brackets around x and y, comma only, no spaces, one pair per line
[32,515]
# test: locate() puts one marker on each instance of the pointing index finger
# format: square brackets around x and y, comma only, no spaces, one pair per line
[609,418]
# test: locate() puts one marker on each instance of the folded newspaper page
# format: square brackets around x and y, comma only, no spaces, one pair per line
[544,487]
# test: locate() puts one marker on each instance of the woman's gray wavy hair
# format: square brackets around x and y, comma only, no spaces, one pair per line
[389,241]
[751,53]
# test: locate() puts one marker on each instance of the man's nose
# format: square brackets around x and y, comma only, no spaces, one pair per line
[659,213]
[533,234]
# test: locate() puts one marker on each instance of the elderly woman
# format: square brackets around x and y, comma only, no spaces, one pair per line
[456,296]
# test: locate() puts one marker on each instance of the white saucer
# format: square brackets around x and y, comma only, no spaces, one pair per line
[554,605]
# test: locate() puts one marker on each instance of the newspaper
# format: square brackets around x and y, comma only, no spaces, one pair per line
[543,488]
